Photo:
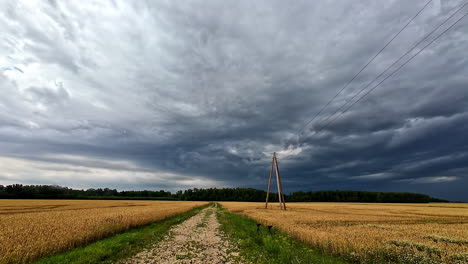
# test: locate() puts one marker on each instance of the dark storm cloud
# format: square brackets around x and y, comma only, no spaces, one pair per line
[178,95]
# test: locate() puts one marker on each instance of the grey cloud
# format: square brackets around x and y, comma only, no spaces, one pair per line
[48,96]
[431,179]
[203,89]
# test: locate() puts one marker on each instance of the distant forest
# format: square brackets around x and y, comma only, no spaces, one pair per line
[18,191]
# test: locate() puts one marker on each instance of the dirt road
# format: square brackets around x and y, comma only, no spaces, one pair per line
[197,240]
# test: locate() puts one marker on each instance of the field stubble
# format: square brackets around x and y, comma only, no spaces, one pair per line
[30,229]
[408,233]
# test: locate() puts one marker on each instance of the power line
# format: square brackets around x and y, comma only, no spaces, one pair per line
[365,66]
[396,70]
[394,63]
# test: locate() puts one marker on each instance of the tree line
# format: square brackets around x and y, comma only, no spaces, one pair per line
[19,191]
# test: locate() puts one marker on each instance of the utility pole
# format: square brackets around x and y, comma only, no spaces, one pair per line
[279,185]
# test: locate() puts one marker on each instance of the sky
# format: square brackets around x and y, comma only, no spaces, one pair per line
[194,94]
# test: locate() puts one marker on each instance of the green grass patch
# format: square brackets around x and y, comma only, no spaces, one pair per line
[205,219]
[120,246]
[268,247]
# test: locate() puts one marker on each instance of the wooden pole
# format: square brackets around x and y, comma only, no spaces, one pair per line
[280,184]
[269,183]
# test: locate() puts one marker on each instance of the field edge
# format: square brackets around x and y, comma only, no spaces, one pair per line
[259,245]
[120,246]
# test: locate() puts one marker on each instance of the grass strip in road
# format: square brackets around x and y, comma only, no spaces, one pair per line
[268,247]
[120,246]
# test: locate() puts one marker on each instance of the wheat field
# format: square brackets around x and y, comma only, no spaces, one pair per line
[30,229]
[372,233]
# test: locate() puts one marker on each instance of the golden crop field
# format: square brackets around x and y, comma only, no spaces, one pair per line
[33,228]
[377,233]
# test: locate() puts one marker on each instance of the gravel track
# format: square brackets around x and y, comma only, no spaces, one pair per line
[196,240]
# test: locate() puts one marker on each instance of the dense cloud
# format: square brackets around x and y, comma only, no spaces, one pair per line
[169,95]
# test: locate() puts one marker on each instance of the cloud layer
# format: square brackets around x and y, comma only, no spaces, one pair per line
[164,94]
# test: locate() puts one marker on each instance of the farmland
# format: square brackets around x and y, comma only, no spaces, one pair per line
[400,233]
[30,229]
[355,232]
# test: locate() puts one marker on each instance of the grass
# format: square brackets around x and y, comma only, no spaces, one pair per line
[120,246]
[268,247]
[205,219]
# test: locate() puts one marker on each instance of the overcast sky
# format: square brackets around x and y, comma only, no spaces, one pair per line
[182,94]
